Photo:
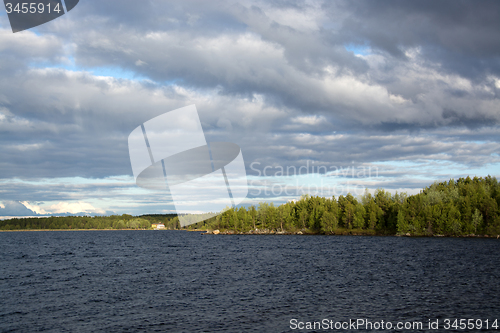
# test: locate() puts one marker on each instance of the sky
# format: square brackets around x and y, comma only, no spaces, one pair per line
[323,97]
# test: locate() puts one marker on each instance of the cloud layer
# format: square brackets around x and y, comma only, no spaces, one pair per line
[339,83]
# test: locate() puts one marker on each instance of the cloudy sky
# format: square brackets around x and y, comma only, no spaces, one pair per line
[365,94]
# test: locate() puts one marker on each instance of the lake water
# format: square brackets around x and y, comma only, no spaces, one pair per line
[177,281]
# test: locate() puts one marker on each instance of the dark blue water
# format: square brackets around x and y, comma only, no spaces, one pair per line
[175,281]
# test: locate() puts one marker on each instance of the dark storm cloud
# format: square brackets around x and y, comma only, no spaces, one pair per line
[341,150]
[263,58]
[198,17]
[72,124]
[461,36]
[419,52]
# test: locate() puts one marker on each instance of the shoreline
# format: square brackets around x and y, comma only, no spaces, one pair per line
[22,230]
[273,232]
[340,233]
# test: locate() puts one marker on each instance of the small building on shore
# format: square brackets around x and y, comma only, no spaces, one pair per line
[158,226]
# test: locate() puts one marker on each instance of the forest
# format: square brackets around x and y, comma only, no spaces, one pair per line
[465,207]
[124,221]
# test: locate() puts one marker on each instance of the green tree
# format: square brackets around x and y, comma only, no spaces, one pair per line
[454,221]
[328,222]
[477,220]
[359,216]
[403,225]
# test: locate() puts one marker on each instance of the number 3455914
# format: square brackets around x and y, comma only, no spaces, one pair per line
[31,8]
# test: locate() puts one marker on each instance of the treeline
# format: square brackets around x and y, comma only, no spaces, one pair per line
[88,222]
[454,208]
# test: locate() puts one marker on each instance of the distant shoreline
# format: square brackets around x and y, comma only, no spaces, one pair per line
[23,230]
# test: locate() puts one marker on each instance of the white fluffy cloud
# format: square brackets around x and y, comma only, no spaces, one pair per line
[74,207]
[35,208]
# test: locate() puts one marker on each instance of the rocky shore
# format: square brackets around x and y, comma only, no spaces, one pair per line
[254,232]
[338,232]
